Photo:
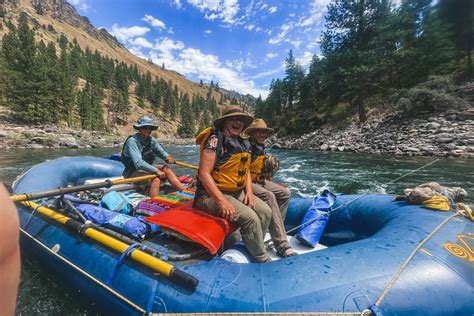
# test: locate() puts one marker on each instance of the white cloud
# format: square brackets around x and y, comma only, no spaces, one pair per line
[250,27]
[177,4]
[191,61]
[137,51]
[80,4]
[272,10]
[267,73]
[141,42]
[295,43]
[207,31]
[165,49]
[270,56]
[154,21]
[285,28]
[125,33]
[316,14]
[224,10]
[305,60]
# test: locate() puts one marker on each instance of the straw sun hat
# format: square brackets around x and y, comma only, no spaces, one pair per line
[233,110]
[258,124]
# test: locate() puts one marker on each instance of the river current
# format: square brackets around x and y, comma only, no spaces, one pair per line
[304,172]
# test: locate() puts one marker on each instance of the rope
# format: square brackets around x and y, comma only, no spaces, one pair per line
[360,196]
[407,261]
[413,171]
[32,214]
[127,252]
[85,273]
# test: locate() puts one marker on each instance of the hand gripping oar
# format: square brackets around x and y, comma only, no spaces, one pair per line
[185,165]
[65,190]
[158,265]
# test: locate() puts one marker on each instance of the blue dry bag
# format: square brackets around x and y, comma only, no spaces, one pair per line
[117,202]
[121,223]
[317,217]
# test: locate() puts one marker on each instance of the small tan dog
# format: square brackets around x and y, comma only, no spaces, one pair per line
[426,191]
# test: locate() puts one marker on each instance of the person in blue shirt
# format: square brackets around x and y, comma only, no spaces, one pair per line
[140,151]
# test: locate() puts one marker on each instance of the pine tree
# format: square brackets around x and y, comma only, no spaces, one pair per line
[348,43]
[140,92]
[187,118]
[174,108]
[20,52]
[294,77]
[156,94]
[458,16]
[118,105]
[66,86]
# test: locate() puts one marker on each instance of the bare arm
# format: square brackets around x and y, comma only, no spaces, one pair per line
[9,254]
[206,165]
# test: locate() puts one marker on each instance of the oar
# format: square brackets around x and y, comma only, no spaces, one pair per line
[65,190]
[158,265]
[186,165]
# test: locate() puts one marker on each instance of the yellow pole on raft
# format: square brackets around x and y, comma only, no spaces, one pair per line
[183,164]
[154,263]
[82,187]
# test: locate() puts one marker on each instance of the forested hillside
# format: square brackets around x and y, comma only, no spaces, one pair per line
[411,58]
[49,76]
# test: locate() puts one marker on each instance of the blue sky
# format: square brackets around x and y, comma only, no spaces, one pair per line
[241,45]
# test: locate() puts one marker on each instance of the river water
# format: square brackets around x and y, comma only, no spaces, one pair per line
[305,173]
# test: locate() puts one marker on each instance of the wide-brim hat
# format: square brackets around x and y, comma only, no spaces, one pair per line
[145,121]
[257,124]
[233,110]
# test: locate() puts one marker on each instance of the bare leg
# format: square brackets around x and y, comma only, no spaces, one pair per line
[9,254]
[173,179]
[155,187]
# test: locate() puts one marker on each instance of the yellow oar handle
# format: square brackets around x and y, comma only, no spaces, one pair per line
[183,164]
[134,180]
[154,263]
[78,188]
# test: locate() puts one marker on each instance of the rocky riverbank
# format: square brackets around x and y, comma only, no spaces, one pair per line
[449,134]
[14,135]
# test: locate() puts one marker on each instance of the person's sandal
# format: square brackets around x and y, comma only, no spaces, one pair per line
[286,252]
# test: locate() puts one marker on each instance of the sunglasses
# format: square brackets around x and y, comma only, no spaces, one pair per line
[237,118]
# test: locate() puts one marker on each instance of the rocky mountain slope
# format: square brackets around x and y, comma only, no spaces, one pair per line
[59,17]
[52,18]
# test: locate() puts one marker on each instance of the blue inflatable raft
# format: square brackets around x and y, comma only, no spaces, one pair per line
[383,258]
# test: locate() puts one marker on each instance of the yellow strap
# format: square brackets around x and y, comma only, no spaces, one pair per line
[466,211]
[439,203]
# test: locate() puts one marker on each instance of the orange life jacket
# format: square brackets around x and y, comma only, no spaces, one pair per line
[232,161]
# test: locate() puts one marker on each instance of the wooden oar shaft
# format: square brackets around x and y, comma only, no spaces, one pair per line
[183,164]
[78,188]
[142,257]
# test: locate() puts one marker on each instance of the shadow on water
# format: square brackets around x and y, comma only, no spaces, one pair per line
[305,172]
